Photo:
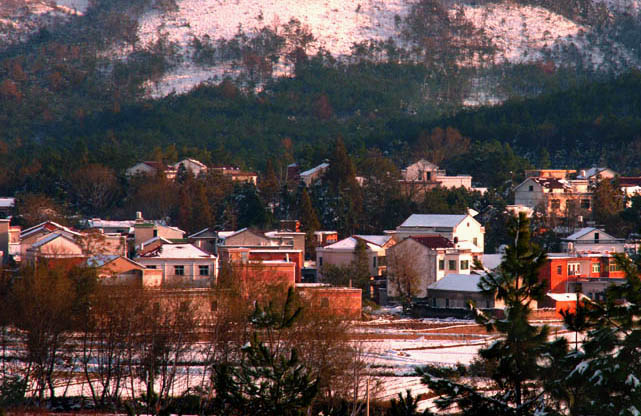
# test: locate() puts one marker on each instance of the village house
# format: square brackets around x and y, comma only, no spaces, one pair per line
[238,175]
[9,240]
[151,168]
[181,265]
[594,174]
[325,238]
[7,205]
[314,174]
[204,239]
[343,253]
[420,260]
[456,291]
[120,270]
[555,197]
[590,273]
[461,229]
[146,230]
[422,176]
[630,186]
[193,166]
[592,240]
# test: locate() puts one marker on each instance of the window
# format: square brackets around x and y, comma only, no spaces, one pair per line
[530,188]
[555,204]
[243,257]
[324,303]
[455,240]
[374,261]
[179,270]
[596,267]
[214,305]
[447,303]
[151,266]
[585,204]
[203,270]
[320,261]
[574,269]
[475,241]
[614,266]
[451,265]
[596,237]
[559,269]
[441,264]
[155,233]
[465,264]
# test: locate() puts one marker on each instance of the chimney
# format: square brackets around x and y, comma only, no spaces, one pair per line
[138,215]
[582,174]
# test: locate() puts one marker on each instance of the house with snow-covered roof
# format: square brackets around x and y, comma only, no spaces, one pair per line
[310,176]
[119,270]
[423,175]
[54,245]
[455,291]
[420,260]
[151,168]
[181,265]
[191,165]
[592,240]
[343,253]
[595,174]
[7,205]
[461,229]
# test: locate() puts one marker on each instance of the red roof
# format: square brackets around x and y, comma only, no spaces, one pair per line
[630,181]
[433,241]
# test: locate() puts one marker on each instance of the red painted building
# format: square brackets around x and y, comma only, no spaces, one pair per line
[563,272]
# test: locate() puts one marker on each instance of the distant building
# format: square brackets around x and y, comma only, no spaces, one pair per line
[325,238]
[7,205]
[191,165]
[119,270]
[422,176]
[594,175]
[237,175]
[323,299]
[151,168]
[555,197]
[312,175]
[145,230]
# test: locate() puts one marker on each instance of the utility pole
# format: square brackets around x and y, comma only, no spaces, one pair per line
[367,402]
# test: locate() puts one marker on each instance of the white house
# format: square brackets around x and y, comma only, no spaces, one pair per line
[312,175]
[462,230]
[343,252]
[593,240]
[553,195]
[595,174]
[192,165]
[150,168]
[182,264]
[423,260]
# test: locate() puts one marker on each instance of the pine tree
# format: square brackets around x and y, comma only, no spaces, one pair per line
[267,381]
[602,376]
[515,359]
[309,222]
[268,184]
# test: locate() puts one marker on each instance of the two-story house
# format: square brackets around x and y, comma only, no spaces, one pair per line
[554,196]
[461,229]
[181,265]
[420,260]
[343,252]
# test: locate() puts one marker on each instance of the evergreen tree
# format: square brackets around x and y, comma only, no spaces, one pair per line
[267,381]
[405,406]
[268,184]
[608,205]
[360,267]
[602,375]
[309,222]
[515,359]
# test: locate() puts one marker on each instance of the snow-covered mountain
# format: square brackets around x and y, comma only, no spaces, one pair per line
[519,31]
